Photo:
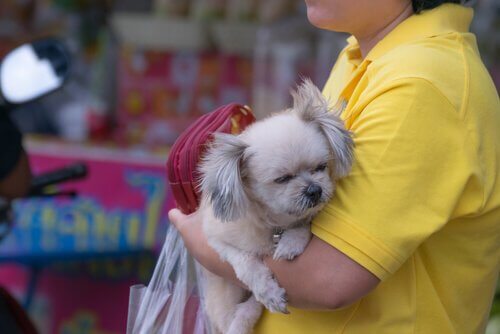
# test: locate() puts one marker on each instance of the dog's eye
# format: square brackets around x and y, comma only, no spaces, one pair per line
[321,167]
[284,179]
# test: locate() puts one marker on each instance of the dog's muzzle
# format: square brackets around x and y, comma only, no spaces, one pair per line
[313,194]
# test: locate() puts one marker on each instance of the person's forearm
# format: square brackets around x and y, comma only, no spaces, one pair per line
[320,278]
[301,286]
[308,279]
[18,182]
[288,273]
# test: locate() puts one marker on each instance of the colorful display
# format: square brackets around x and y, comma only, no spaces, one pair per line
[112,228]
[161,93]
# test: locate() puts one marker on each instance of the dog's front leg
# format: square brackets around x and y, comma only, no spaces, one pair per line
[255,275]
[293,242]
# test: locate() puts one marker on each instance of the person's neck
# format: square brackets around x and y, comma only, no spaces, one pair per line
[368,39]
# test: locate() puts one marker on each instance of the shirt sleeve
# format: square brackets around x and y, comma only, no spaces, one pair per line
[411,164]
[10,146]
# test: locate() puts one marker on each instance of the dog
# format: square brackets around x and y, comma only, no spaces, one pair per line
[260,191]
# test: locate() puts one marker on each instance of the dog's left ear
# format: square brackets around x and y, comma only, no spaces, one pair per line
[313,107]
[221,170]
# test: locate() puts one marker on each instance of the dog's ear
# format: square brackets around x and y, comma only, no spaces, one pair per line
[221,170]
[313,107]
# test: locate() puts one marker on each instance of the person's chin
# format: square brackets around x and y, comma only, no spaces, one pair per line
[315,18]
[322,23]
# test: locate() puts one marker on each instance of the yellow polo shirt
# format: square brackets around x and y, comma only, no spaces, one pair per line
[421,207]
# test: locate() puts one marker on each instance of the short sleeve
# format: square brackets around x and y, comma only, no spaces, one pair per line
[10,146]
[411,165]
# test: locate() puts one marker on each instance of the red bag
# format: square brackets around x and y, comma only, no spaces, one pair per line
[182,163]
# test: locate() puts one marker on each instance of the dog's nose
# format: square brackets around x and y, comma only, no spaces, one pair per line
[313,193]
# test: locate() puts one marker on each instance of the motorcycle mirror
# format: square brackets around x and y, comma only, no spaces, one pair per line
[33,70]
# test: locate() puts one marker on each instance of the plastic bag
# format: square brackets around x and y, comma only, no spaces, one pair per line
[172,303]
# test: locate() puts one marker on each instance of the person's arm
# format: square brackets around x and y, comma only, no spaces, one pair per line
[15,173]
[17,182]
[321,278]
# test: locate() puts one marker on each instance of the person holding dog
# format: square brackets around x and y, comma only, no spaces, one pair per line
[410,241]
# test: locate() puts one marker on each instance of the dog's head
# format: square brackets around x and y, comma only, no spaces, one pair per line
[285,164]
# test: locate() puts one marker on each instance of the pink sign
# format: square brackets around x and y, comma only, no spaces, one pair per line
[120,214]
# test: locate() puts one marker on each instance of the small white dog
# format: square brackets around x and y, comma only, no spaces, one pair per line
[260,192]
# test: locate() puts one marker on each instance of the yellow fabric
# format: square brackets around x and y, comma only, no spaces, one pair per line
[421,207]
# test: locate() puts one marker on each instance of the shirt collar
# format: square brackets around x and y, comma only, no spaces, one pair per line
[441,20]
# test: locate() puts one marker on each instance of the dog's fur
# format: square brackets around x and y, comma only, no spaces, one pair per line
[247,195]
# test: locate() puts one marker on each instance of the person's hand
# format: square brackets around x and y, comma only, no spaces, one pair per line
[191,231]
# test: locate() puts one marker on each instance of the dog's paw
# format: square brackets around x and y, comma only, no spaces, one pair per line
[292,243]
[272,296]
[287,251]
[245,317]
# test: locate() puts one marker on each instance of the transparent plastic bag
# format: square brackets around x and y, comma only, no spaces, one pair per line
[172,303]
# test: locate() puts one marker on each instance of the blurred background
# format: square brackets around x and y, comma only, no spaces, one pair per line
[141,71]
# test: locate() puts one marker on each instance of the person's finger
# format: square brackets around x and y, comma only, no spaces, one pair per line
[176,217]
